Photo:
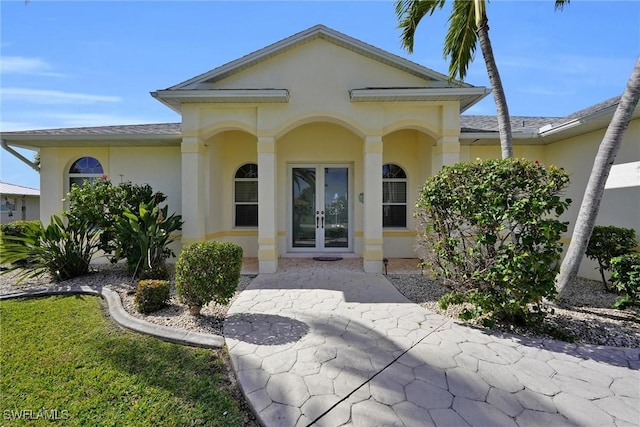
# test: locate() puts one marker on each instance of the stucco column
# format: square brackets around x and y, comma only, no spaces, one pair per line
[267,206]
[372,254]
[194,177]
[447,149]
[445,153]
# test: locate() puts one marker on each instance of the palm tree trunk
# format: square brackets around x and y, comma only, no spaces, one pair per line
[605,157]
[504,121]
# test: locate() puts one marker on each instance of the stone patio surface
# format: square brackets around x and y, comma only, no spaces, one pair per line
[325,344]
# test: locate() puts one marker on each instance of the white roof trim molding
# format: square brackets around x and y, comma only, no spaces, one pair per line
[174,98]
[315,32]
[467,96]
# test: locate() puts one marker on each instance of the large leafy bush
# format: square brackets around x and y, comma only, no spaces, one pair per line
[132,224]
[608,242]
[103,204]
[626,278]
[489,229]
[148,230]
[208,271]
[63,250]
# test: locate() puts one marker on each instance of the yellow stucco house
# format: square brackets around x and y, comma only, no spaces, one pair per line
[317,144]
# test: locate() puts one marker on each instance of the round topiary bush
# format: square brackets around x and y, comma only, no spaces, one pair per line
[208,271]
[152,295]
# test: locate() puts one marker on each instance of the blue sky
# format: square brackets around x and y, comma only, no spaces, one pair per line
[90,63]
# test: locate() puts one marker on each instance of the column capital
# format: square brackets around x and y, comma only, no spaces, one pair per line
[266,144]
[373,144]
[192,144]
[447,145]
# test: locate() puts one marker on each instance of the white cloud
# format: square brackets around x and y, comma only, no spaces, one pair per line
[13,126]
[23,65]
[38,96]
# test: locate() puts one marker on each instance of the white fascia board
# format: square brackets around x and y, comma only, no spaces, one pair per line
[225,95]
[173,105]
[548,131]
[525,134]
[90,137]
[413,94]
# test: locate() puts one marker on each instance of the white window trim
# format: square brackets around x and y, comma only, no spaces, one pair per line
[235,203]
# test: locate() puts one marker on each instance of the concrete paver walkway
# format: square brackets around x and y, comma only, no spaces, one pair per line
[329,346]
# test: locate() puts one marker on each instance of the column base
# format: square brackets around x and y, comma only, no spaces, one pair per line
[267,266]
[372,267]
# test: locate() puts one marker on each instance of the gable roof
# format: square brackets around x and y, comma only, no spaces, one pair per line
[310,34]
[435,86]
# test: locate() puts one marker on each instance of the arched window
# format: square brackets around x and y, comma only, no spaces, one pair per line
[246,196]
[84,169]
[394,196]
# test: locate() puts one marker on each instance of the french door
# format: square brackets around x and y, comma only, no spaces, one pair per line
[320,208]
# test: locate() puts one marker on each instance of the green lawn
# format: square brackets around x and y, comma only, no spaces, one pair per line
[60,357]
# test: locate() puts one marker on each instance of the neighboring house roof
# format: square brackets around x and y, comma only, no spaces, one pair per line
[17,190]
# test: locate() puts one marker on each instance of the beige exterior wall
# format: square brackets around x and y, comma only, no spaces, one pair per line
[411,150]
[156,166]
[227,152]
[619,207]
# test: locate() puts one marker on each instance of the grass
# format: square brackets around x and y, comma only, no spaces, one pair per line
[60,357]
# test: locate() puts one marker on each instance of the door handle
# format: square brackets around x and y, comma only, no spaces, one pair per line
[322,213]
[317,219]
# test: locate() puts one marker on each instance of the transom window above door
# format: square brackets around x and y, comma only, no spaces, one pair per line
[394,196]
[246,196]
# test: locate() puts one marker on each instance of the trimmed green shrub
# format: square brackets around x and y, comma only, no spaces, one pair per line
[151,295]
[626,278]
[208,271]
[489,230]
[608,242]
[63,250]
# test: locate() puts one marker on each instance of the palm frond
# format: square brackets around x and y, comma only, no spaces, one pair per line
[410,13]
[461,39]
[561,3]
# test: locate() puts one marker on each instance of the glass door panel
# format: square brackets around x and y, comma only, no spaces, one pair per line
[336,207]
[304,207]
